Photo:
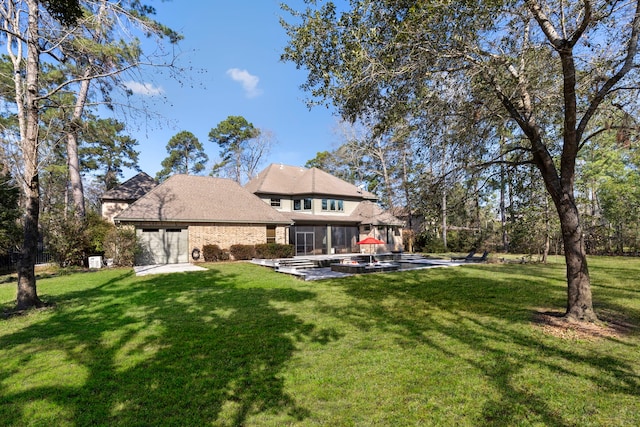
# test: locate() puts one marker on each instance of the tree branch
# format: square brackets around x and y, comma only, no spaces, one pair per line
[608,87]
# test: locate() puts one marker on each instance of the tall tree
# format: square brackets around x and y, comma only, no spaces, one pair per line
[375,58]
[32,29]
[94,53]
[365,157]
[186,155]
[233,136]
[107,151]
[21,27]
[255,152]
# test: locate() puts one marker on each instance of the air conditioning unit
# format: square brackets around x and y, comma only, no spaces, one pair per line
[95,261]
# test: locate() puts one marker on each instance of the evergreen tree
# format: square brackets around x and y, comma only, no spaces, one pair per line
[232,135]
[107,151]
[186,156]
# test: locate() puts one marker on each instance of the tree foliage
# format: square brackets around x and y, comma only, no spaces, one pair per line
[121,246]
[233,136]
[186,155]
[544,67]
[9,213]
[106,151]
[65,11]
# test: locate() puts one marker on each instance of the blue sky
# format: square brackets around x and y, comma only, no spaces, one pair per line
[232,51]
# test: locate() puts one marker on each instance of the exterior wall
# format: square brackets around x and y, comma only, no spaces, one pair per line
[286,205]
[111,209]
[226,235]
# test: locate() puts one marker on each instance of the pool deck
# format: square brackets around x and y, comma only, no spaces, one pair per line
[318,267]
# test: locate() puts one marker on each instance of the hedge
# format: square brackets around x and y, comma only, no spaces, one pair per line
[274,250]
[242,252]
[214,253]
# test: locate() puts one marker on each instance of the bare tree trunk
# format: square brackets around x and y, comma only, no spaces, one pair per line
[237,169]
[407,196]
[579,302]
[547,231]
[503,211]
[27,295]
[387,179]
[73,159]
[503,208]
[378,151]
[444,196]
[444,217]
[560,188]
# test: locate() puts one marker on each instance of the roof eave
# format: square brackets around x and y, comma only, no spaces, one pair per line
[225,221]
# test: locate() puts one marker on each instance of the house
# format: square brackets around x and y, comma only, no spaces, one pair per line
[186,212]
[309,208]
[121,197]
[329,215]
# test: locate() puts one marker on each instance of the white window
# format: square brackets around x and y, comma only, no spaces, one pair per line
[332,205]
[302,204]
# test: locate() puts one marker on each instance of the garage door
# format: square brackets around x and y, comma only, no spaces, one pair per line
[163,245]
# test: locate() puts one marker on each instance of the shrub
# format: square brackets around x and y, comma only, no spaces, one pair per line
[274,250]
[457,241]
[212,253]
[242,252]
[67,240]
[97,230]
[121,245]
[428,242]
[71,239]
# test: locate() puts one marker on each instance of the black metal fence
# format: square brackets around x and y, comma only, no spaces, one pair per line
[9,262]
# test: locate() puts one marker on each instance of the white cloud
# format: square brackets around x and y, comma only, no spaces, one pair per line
[249,82]
[146,89]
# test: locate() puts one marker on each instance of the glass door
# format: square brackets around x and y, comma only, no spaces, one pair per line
[304,243]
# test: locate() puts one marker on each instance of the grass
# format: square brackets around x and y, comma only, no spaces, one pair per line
[241,345]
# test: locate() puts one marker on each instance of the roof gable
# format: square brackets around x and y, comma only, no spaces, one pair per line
[201,199]
[294,180]
[131,189]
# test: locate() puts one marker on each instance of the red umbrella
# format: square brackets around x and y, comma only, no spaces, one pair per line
[370,241]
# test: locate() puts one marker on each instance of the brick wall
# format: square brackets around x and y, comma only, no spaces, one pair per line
[225,235]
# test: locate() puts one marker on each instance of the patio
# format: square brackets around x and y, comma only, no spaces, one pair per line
[318,267]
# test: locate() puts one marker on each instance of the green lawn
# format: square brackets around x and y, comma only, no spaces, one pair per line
[241,345]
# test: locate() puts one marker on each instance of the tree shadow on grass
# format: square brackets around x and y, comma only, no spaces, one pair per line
[179,349]
[489,318]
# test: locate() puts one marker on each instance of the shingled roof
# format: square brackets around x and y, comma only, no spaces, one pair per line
[132,189]
[278,179]
[189,198]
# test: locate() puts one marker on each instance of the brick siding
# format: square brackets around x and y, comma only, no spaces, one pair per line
[226,235]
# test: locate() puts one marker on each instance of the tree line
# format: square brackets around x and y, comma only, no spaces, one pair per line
[449,203]
[243,150]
